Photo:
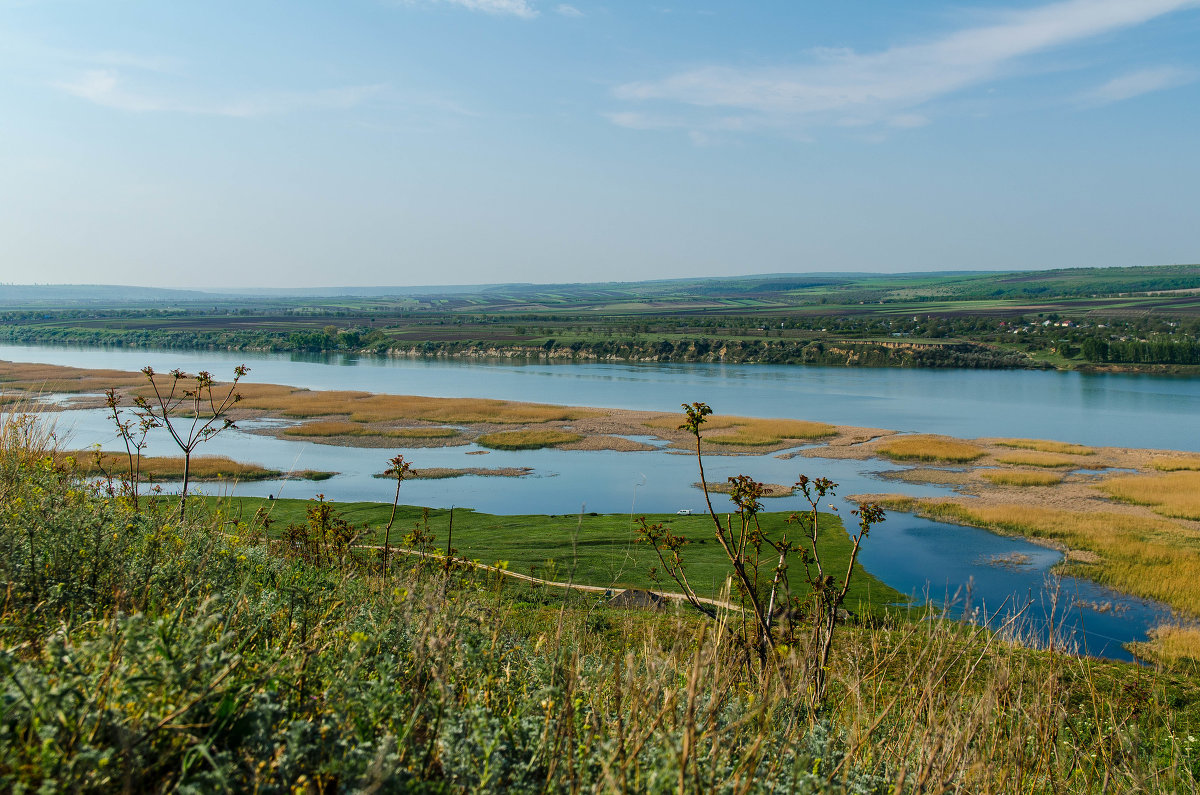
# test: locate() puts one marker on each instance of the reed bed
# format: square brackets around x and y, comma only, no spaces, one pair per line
[1045,460]
[368,407]
[527,439]
[205,467]
[1044,446]
[930,448]
[1172,645]
[769,489]
[751,431]
[1021,478]
[326,428]
[1141,555]
[1175,494]
[1176,463]
[46,378]
[424,433]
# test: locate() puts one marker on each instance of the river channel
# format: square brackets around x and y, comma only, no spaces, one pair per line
[965,566]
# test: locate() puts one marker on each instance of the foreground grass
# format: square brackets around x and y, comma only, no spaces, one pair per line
[141,653]
[1145,556]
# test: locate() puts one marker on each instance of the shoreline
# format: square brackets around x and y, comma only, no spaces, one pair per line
[1069,507]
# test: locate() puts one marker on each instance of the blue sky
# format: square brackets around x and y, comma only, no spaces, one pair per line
[408,142]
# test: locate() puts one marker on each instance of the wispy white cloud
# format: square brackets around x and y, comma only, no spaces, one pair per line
[839,86]
[516,8]
[105,87]
[1134,84]
[568,11]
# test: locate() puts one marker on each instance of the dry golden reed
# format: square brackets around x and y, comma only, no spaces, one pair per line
[1175,494]
[1047,460]
[527,440]
[1170,645]
[751,431]
[30,377]
[326,428]
[366,407]
[1176,463]
[208,467]
[930,448]
[1021,478]
[1044,446]
[423,433]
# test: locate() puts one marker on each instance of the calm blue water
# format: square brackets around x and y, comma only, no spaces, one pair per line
[948,563]
[1103,409]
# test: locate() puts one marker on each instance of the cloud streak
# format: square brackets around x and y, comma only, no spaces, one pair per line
[847,87]
[106,88]
[1134,84]
[515,8]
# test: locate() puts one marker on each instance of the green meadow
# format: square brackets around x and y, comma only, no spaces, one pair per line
[587,549]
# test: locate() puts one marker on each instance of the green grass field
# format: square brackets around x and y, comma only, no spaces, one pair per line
[589,550]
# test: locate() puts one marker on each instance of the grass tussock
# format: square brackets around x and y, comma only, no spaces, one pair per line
[142,653]
[1176,463]
[751,431]
[1171,645]
[326,428]
[527,440]
[1146,556]
[1045,460]
[930,448]
[1175,494]
[1019,478]
[1045,446]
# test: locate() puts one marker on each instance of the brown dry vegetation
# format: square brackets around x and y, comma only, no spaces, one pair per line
[1021,478]
[1047,460]
[1175,494]
[1142,555]
[1044,446]
[930,448]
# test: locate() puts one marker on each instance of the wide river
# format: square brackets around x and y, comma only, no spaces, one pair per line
[913,555]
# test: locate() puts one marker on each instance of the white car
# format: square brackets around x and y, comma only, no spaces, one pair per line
[684,512]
